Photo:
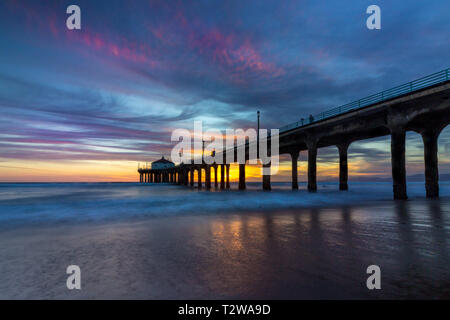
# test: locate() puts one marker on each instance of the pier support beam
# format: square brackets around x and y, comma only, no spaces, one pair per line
[222,176]
[343,166]
[216,184]
[199,178]
[430,141]
[312,166]
[191,181]
[228,176]
[294,158]
[266,177]
[208,177]
[140,177]
[398,136]
[242,176]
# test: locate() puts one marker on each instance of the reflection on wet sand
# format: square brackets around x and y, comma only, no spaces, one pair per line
[299,253]
[325,252]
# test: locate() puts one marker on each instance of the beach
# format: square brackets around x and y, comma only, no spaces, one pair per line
[167,242]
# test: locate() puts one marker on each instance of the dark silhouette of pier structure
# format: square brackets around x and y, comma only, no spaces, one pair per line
[422,106]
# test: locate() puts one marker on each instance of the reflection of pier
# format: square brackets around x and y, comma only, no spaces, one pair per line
[422,106]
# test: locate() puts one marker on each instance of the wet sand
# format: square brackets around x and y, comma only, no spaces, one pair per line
[318,253]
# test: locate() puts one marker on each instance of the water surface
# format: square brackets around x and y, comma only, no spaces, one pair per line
[164,241]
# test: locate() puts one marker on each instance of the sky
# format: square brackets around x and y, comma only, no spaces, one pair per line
[90,104]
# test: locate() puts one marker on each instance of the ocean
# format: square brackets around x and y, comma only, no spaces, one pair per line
[161,241]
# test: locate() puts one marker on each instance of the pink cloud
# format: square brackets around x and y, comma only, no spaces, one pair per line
[234,54]
[123,49]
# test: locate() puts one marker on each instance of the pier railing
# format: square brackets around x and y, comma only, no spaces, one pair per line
[409,87]
[421,83]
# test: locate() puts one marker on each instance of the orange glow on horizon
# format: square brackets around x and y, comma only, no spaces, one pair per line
[126,171]
[68,171]
[15,170]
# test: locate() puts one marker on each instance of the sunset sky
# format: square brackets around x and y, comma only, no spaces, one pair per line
[90,104]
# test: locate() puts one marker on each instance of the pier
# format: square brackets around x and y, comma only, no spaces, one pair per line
[422,106]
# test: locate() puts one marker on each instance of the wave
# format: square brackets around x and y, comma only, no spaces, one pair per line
[22,204]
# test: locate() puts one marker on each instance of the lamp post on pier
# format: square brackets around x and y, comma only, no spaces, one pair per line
[203,149]
[257,138]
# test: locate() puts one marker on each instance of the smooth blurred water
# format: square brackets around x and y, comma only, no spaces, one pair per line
[172,242]
[22,204]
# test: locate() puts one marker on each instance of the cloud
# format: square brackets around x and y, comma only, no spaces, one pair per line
[115,89]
